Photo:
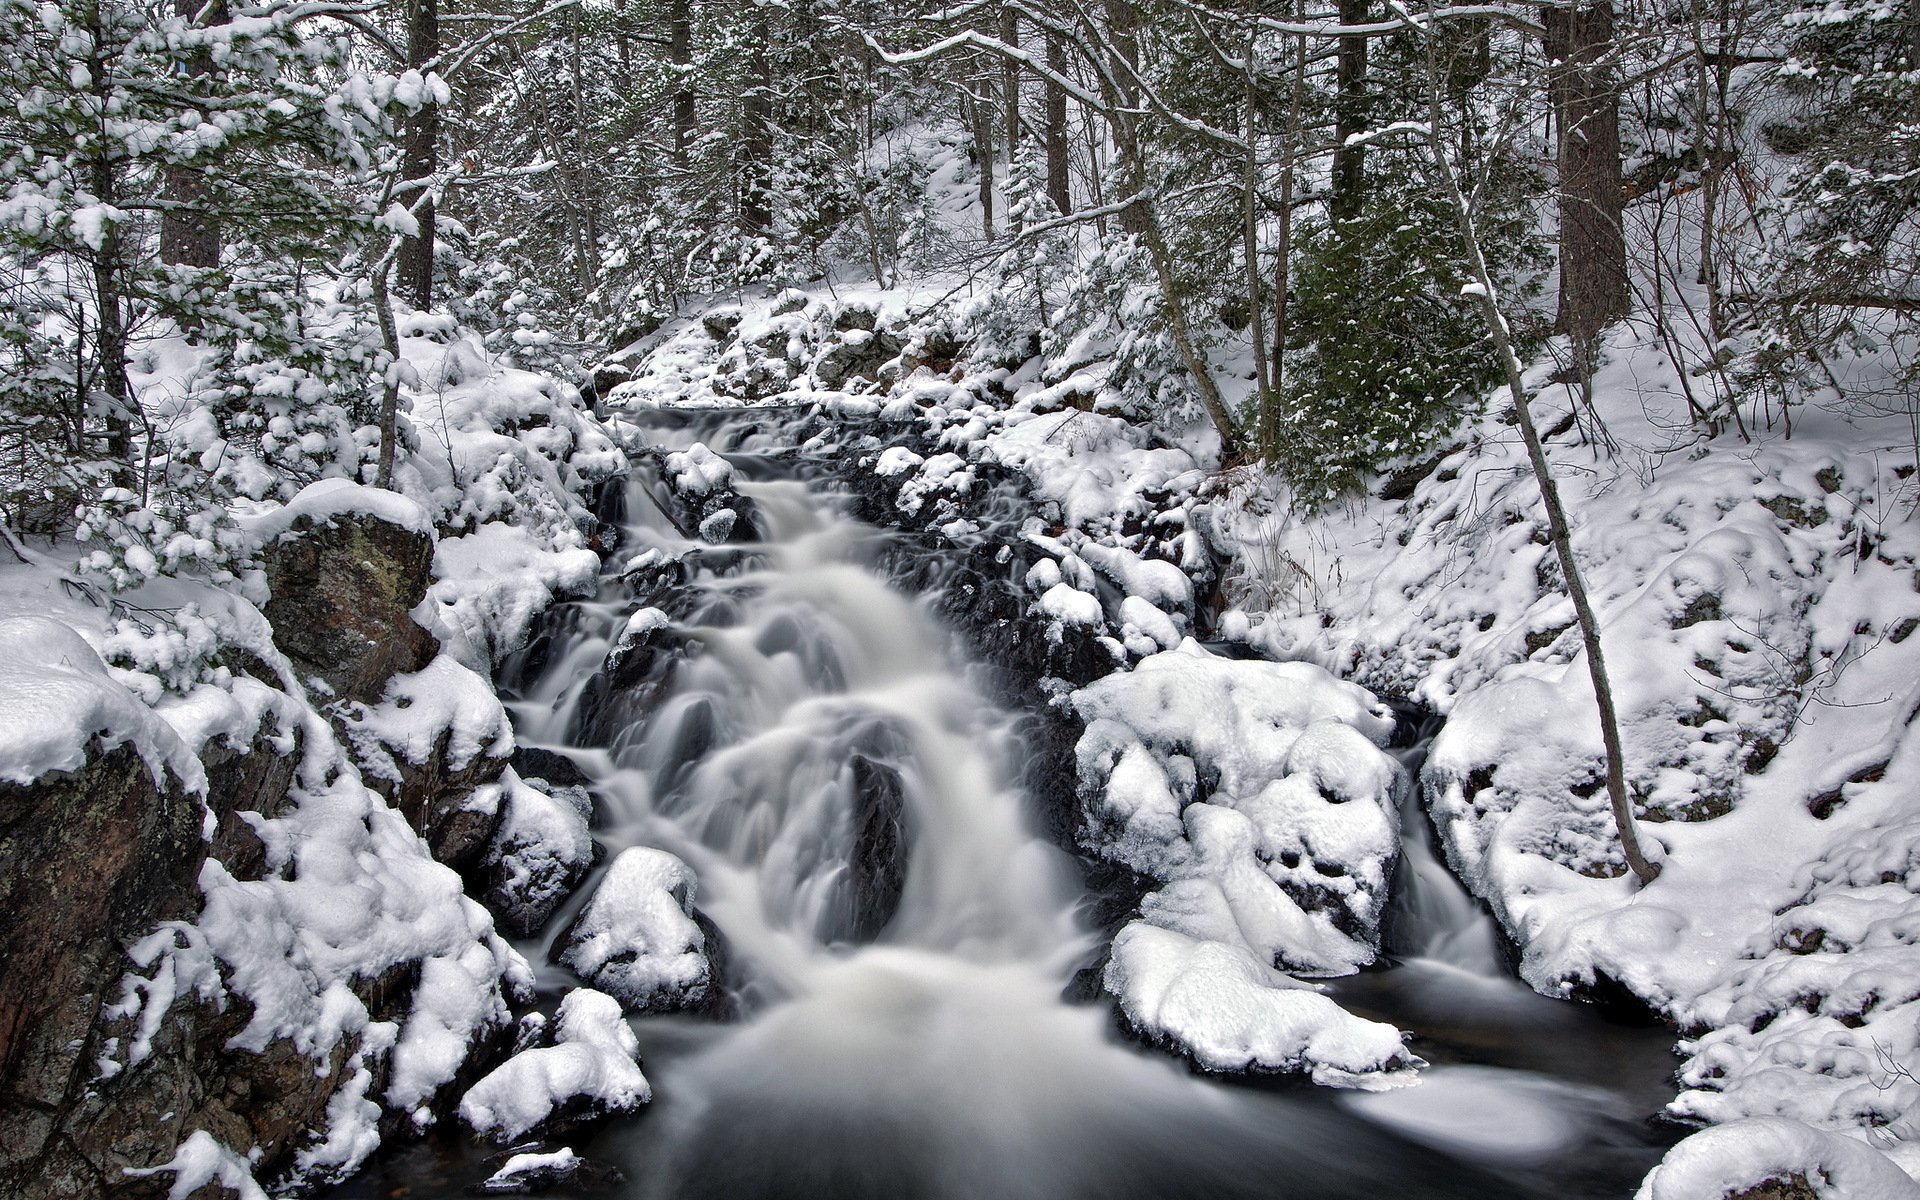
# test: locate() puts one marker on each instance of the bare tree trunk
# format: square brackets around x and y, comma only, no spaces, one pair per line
[1250,235]
[1210,398]
[1586,100]
[1441,174]
[390,393]
[756,142]
[1059,185]
[1283,248]
[420,158]
[190,235]
[980,122]
[1350,116]
[1010,83]
[680,54]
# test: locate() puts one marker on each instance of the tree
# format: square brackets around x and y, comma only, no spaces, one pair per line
[1443,173]
[1583,87]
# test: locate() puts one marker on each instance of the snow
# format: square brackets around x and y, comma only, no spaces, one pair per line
[520,1169]
[491,583]
[1756,601]
[1229,1012]
[1279,859]
[444,708]
[199,1161]
[541,848]
[1735,1157]
[593,1064]
[636,938]
[57,699]
[323,501]
[1067,603]
[698,471]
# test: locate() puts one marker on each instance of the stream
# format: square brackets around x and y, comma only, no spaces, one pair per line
[903,1033]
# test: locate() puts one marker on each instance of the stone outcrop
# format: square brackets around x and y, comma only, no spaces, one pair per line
[343,590]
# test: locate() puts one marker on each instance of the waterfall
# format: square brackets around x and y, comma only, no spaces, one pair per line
[897,935]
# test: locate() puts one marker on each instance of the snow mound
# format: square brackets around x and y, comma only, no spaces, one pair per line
[57,698]
[444,709]
[698,471]
[1731,1159]
[322,501]
[1256,794]
[591,1070]
[1229,1012]
[636,939]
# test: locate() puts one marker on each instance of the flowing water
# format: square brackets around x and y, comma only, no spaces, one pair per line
[902,1033]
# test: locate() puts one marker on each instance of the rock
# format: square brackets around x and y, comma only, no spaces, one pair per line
[557,770]
[540,1167]
[877,872]
[636,939]
[590,1071]
[539,854]
[858,354]
[105,855]
[89,861]
[431,746]
[697,493]
[343,589]
[720,323]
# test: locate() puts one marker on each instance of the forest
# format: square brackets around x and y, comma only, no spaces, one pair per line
[926,567]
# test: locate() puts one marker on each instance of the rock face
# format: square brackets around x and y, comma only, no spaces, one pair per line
[88,860]
[342,591]
[876,875]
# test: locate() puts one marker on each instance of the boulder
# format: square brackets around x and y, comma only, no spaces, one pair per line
[636,939]
[344,583]
[590,1071]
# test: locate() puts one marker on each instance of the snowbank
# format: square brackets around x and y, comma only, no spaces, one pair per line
[57,699]
[1737,1157]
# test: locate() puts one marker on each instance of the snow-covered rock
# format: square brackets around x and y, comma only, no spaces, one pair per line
[540,852]
[1256,794]
[591,1070]
[1741,1157]
[636,939]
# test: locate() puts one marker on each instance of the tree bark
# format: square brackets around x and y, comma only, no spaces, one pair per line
[680,54]
[190,234]
[1350,116]
[1586,101]
[1010,83]
[420,159]
[1123,25]
[1059,184]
